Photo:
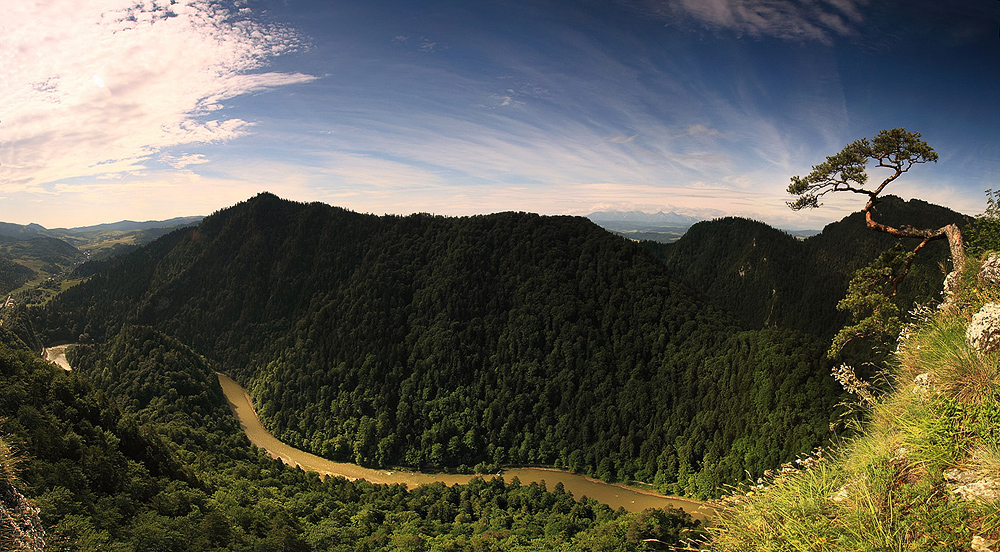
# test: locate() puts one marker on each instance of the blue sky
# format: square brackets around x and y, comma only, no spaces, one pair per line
[704,107]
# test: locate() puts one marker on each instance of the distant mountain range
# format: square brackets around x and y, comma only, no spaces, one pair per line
[36,261]
[12,230]
[642,218]
[131,225]
[664,227]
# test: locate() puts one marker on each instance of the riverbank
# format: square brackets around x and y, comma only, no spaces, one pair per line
[614,495]
[57,355]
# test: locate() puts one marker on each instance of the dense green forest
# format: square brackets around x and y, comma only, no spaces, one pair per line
[768,278]
[468,343]
[136,449]
[13,275]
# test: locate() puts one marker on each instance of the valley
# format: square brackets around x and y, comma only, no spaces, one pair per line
[566,359]
[616,496]
[37,262]
[468,343]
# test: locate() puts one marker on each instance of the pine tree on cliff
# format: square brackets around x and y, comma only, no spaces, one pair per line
[869,293]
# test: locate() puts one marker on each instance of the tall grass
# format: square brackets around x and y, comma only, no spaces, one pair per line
[8,461]
[885,489]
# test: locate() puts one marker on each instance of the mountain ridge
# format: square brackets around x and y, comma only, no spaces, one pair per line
[11,229]
[447,342]
[767,277]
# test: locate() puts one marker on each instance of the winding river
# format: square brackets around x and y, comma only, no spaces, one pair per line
[613,495]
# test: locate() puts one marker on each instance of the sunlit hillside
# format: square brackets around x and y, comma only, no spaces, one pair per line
[925,472]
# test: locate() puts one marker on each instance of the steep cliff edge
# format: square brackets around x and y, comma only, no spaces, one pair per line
[924,474]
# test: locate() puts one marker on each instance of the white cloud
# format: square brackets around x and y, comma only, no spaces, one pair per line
[699,130]
[97,88]
[184,161]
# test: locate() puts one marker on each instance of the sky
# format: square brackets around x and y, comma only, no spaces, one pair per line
[139,110]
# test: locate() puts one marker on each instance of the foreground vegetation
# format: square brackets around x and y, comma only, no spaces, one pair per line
[925,472]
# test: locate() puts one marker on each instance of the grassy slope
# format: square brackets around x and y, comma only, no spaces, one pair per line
[888,488]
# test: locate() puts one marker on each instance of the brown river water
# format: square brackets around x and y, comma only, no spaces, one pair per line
[615,496]
[57,355]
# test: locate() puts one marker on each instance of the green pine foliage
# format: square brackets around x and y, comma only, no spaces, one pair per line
[875,318]
[468,343]
[984,233]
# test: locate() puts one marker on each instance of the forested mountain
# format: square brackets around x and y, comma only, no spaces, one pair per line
[770,279]
[453,342]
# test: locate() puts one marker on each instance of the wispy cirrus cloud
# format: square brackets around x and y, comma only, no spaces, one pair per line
[97,88]
[788,19]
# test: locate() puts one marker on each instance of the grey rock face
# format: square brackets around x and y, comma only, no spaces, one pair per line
[923,384]
[972,485]
[20,527]
[983,333]
[990,272]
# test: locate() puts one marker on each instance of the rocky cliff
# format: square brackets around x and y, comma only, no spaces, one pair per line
[20,527]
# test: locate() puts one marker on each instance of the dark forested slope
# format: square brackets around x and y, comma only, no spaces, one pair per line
[770,279]
[433,341]
[752,270]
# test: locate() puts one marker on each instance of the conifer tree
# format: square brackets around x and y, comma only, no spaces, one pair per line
[897,150]
[847,171]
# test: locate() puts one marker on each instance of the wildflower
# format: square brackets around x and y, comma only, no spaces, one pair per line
[845,375]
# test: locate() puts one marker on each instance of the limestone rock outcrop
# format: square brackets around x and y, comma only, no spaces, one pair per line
[989,274]
[20,527]
[983,333]
[980,544]
[972,485]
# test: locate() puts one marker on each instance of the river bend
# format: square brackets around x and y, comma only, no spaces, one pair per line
[612,495]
